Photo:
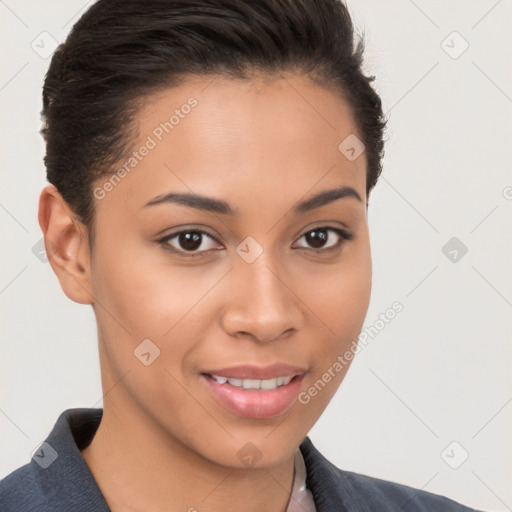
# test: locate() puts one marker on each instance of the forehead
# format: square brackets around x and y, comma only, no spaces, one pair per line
[241,140]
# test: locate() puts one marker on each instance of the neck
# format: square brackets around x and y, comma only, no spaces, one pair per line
[139,467]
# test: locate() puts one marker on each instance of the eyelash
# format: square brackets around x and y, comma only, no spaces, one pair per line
[343,234]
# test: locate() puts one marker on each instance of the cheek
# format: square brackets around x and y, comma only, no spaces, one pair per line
[145,295]
[143,299]
[340,303]
[341,293]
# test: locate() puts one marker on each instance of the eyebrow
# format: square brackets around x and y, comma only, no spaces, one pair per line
[211,204]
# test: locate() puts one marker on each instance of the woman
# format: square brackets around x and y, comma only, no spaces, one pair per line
[210,165]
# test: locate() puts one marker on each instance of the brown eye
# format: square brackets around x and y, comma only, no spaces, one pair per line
[189,241]
[325,237]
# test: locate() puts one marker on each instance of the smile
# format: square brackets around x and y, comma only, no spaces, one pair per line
[267,384]
[254,398]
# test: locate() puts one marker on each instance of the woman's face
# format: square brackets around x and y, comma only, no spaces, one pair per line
[259,285]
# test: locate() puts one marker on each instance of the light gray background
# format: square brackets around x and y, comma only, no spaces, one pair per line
[440,371]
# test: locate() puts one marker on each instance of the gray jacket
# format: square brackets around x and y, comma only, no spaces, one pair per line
[57,479]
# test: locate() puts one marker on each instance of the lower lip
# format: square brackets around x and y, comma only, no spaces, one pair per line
[254,403]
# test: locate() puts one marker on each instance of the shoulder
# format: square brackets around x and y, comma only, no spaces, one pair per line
[19,490]
[57,477]
[385,495]
[337,489]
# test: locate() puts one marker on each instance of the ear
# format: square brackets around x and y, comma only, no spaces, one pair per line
[66,245]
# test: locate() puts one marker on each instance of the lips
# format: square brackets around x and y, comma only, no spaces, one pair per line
[254,392]
[254,372]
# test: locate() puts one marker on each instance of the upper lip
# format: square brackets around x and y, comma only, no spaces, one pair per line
[256,372]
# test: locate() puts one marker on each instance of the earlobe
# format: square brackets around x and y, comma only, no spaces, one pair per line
[66,245]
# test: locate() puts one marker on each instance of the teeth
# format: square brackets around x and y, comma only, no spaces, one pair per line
[251,384]
[267,384]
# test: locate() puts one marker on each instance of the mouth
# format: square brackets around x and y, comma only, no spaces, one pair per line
[267,384]
[255,398]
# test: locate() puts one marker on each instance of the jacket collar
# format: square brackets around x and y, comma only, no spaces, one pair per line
[77,489]
[325,481]
[61,472]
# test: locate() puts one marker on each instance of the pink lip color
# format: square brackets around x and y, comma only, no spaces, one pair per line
[254,403]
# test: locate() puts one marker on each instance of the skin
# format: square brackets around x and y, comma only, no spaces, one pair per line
[164,444]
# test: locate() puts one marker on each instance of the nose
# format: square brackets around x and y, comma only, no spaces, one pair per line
[262,304]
